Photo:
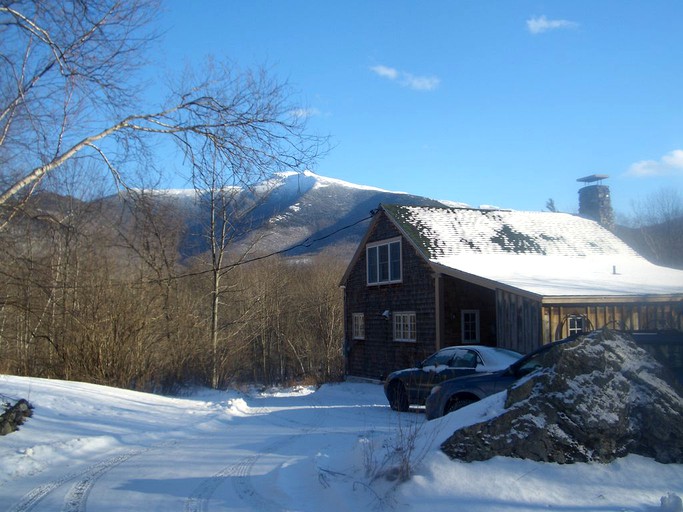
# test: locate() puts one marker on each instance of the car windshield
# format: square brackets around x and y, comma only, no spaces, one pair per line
[499,358]
[534,362]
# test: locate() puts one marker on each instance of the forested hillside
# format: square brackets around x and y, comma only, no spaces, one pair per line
[85,296]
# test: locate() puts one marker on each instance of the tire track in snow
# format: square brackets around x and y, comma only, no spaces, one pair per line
[241,472]
[243,483]
[76,497]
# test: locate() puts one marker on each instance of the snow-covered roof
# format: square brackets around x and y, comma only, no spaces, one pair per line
[543,253]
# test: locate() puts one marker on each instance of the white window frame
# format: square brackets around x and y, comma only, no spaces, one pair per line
[405,326]
[574,329]
[465,325]
[375,274]
[358,326]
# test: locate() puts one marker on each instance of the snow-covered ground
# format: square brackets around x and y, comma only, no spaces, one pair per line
[335,449]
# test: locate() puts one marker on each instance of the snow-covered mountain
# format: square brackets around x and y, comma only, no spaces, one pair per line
[311,209]
[303,211]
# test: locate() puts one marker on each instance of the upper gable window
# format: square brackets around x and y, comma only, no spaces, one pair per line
[384,262]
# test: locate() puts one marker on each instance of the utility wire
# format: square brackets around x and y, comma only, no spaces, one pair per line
[306,243]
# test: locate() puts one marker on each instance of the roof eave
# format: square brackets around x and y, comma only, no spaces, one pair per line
[482,281]
[612,299]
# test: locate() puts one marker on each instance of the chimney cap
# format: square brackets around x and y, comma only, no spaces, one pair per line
[593,177]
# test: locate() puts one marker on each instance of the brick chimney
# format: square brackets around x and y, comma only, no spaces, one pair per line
[594,200]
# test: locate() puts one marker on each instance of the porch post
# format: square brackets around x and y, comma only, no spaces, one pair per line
[438,310]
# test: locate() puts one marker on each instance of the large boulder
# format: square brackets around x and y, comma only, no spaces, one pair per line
[597,398]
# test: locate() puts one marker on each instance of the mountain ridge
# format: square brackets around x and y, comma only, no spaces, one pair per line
[309,213]
[303,213]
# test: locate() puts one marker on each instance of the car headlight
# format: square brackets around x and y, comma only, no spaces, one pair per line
[435,389]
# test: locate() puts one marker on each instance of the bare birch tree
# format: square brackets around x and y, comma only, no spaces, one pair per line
[66,91]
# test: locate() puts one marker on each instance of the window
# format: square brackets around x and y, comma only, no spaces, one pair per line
[577,324]
[384,262]
[470,325]
[404,327]
[358,326]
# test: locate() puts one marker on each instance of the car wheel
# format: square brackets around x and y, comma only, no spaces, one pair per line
[398,398]
[458,403]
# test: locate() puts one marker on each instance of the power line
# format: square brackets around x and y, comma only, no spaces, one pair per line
[305,244]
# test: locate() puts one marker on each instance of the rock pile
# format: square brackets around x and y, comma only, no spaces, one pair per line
[14,416]
[597,398]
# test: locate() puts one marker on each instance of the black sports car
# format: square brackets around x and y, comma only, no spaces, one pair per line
[411,386]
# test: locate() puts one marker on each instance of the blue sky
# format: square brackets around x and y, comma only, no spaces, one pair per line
[501,103]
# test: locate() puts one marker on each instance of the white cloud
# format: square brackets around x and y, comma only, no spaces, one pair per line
[385,72]
[305,112]
[541,24]
[418,83]
[671,163]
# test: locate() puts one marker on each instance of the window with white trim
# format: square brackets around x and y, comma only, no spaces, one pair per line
[404,326]
[576,324]
[358,326]
[384,262]
[469,322]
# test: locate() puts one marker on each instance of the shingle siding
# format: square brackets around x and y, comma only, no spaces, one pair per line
[378,354]
[460,295]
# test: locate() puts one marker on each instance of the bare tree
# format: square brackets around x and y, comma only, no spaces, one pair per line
[63,96]
[658,220]
[294,330]
[61,80]
[68,94]
[220,201]
[660,207]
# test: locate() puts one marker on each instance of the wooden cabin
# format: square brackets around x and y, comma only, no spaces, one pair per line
[424,278]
